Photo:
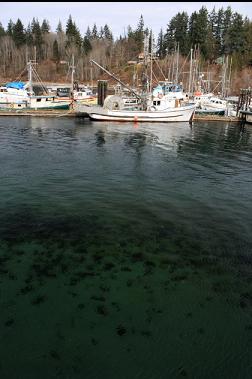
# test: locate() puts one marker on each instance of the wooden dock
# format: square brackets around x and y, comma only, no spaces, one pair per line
[39,113]
[215,118]
[72,113]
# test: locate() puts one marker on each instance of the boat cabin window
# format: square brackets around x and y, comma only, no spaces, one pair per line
[156,102]
[131,101]
[38,100]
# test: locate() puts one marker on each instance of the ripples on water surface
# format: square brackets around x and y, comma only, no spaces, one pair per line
[125,250]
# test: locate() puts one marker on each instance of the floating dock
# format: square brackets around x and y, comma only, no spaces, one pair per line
[202,117]
[39,113]
[72,113]
[246,117]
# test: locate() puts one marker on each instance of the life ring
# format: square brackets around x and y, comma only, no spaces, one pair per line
[160,95]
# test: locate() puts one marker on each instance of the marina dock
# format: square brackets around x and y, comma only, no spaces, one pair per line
[39,113]
[215,118]
[72,113]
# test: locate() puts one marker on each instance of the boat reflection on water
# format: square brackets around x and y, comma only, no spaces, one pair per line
[160,135]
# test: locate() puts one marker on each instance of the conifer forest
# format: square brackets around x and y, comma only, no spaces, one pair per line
[215,34]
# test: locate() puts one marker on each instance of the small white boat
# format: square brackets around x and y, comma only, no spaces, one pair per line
[83,94]
[14,92]
[214,103]
[200,98]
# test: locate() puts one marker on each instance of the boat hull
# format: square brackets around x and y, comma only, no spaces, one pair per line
[54,106]
[219,112]
[179,114]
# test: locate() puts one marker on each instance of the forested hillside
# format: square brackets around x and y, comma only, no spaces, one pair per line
[217,33]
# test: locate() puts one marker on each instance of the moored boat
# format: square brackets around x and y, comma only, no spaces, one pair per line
[144,108]
[19,95]
[183,113]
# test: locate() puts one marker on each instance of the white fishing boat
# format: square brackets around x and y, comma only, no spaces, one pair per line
[13,92]
[147,107]
[171,114]
[214,103]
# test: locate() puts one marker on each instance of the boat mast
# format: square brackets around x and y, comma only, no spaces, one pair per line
[229,78]
[29,68]
[72,73]
[190,74]
[176,77]
[151,67]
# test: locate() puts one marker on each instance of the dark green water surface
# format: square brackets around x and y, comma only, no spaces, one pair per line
[125,250]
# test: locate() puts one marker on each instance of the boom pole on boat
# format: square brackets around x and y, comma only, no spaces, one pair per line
[118,80]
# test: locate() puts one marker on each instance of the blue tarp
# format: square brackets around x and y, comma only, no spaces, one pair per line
[17,85]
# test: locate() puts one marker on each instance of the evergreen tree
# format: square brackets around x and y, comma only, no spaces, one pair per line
[247,51]
[107,33]
[198,26]
[28,36]
[34,25]
[177,32]
[70,29]
[10,28]
[139,34]
[72,33]
[169,38]
[18,33]
[101,33]
[161,51]
[181,34]
[140,26]
[59,28]
[37,34]
[87,47]
[210,43]
[94,33]
[215,23]
[226,24]
[129,32]
[234,38]
[37,37]
[218,32]
[2,31]
[45,27]
[56,54]
[88,33]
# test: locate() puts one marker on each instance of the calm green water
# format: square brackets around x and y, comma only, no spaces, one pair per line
[125,250]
